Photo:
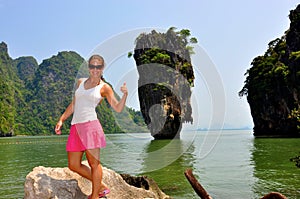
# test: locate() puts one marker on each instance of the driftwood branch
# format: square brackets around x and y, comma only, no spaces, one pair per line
[196,185]
[204,195]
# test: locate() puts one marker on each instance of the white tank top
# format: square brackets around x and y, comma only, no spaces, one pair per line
[86,101]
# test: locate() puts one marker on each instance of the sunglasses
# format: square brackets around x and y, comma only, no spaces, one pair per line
[95,66]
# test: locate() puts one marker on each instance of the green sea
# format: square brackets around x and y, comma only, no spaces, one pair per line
[228,163]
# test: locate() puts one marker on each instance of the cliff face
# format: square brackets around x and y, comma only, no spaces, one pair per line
[165,77]
[11,95]
[273,85]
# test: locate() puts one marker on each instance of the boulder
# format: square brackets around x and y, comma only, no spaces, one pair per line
[62,183]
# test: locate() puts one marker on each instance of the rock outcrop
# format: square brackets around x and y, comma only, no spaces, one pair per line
[272,85]
[165,79]
[61,183]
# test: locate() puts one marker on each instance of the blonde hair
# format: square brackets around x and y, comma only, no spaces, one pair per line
[99,57]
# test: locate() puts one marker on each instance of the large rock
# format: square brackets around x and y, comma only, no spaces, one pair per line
[272,85]
[165,79]
[61,183]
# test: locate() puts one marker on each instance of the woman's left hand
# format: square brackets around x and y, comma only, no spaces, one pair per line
[124,89]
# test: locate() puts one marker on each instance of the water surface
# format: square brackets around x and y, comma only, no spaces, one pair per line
[229,164]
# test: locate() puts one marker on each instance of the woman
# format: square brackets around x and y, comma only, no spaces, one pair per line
[86,134]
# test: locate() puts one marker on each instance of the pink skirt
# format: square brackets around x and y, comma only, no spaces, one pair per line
[84,136]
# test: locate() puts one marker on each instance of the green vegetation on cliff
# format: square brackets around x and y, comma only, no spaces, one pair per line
[32,96]
[272,85]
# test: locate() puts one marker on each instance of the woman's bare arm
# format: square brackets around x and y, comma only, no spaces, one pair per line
[108,93]
[67,113]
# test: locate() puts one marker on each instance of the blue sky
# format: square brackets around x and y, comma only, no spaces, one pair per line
[230,34]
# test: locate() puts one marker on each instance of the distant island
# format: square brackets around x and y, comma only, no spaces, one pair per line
[225,129]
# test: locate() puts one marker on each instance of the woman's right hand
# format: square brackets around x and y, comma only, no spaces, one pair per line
[58,127]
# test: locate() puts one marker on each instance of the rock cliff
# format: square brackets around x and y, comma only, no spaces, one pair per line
[272,85]
[165,80]
[61,183]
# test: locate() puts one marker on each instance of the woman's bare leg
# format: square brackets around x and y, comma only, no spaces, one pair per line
[74,164]
[93,157]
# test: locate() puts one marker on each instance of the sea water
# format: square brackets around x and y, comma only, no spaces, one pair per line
[228,163]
